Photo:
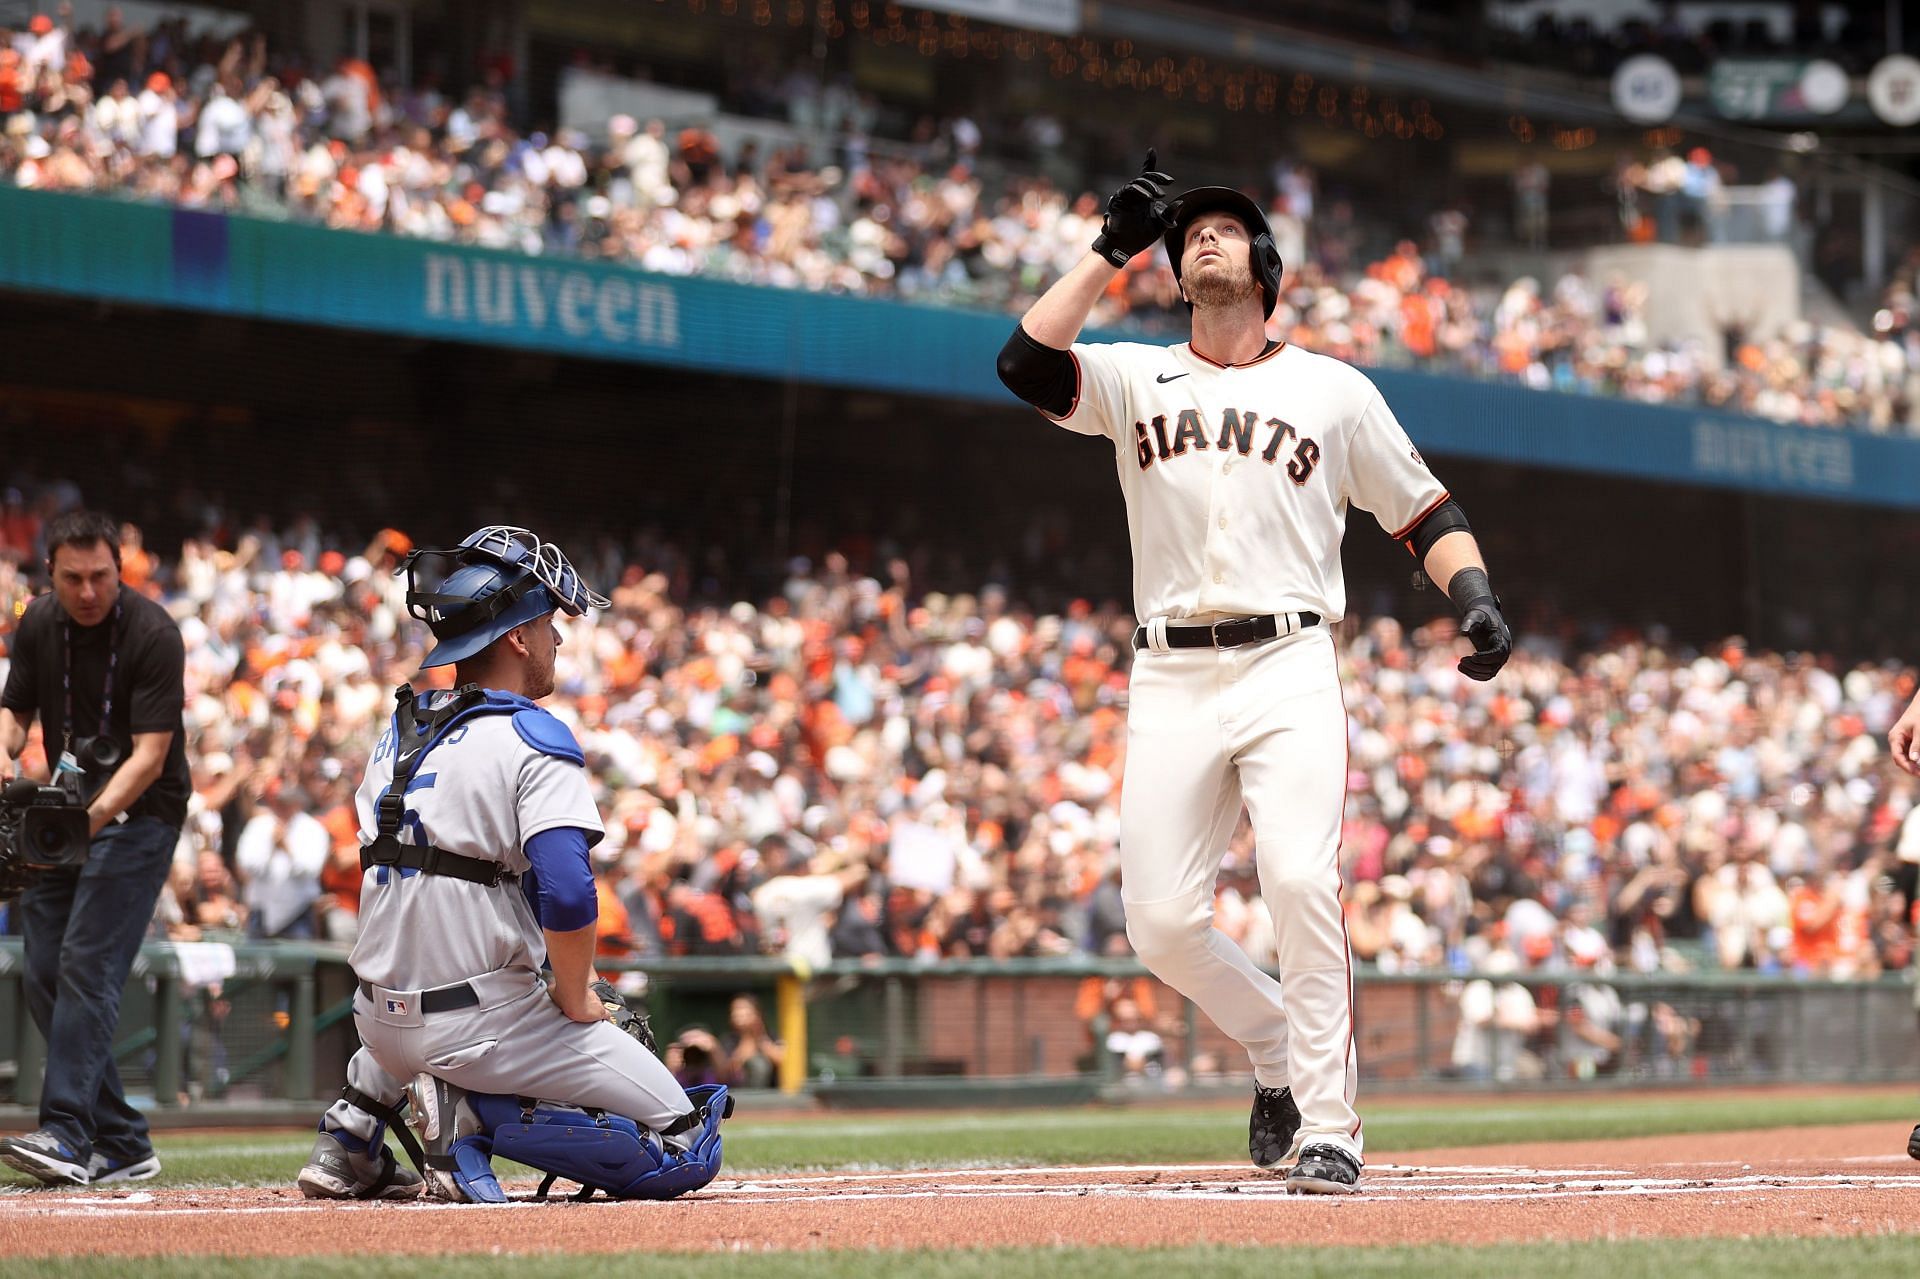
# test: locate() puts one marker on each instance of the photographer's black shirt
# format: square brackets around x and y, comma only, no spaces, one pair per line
[149,687]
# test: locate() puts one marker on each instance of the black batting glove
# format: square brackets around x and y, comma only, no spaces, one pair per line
[1492,641]
[1481,623]
[1136,215]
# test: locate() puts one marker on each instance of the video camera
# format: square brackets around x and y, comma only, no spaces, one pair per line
[98,754]
[41,828]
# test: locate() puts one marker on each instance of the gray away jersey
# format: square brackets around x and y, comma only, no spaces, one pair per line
[481,792]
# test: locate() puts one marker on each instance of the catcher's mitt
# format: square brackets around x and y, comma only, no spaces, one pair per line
[628,1019]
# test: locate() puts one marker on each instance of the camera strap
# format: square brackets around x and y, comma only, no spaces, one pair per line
[414,736]
[66,675]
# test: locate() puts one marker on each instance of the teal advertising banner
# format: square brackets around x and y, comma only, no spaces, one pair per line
[153,255]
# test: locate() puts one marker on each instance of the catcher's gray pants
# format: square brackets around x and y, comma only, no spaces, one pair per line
[515,1041]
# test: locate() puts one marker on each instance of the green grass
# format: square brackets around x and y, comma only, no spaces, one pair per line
[1696,1259]
[1108,1135]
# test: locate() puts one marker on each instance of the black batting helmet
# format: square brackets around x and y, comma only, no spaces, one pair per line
[1265,255]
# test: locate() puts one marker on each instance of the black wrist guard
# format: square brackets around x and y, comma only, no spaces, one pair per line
[1469,587]
[1113,253]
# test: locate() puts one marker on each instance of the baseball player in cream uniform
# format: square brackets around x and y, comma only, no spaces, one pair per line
[1904,738]
[1239,458]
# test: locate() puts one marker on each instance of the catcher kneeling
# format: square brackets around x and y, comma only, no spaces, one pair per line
[476,820]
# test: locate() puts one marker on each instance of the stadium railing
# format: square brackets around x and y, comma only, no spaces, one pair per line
[273,1023]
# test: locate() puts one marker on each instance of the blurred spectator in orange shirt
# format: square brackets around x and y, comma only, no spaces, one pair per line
[1815,908]
[614,928]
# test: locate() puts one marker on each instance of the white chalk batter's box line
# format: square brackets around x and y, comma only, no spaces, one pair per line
[1387,1183]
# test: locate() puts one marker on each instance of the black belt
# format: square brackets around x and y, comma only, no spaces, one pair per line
[442,999]
[1230,633]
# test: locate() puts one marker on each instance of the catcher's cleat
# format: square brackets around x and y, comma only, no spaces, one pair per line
[459,1152]
[1324,1170]
[343,1166]
[1272,1126]
[1913,1143]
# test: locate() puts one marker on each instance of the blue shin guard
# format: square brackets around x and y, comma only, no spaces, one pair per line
[472,1171]
[700,1162]
[457,1150]
[601,1151]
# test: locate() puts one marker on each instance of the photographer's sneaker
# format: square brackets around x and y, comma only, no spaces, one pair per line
[1324,1170]
[342,1166]
[107,1169]
[43,1155]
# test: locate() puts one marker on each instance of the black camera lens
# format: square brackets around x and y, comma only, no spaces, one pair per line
[98,752]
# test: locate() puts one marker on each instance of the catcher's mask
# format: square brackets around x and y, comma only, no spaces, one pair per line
[499,577]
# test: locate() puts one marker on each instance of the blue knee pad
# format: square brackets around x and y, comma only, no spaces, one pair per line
[598,1150]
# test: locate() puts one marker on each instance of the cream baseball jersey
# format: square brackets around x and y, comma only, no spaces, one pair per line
[1238,477]
[483,791]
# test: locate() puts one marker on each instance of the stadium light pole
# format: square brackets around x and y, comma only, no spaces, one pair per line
[1873,230]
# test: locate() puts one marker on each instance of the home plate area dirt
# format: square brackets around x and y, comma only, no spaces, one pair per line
[1846,1180]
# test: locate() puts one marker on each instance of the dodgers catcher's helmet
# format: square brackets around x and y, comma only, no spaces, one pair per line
[499,577]
[1265,256]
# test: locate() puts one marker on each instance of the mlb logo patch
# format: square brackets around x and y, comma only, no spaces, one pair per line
[397,1007]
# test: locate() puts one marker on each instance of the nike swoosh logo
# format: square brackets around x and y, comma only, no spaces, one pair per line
[1168,377]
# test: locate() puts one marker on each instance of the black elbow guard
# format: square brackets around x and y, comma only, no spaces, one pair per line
[1441,520]
[1043,377]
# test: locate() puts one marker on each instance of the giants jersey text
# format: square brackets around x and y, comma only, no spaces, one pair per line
[1238,477]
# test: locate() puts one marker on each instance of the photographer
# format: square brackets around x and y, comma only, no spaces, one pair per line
[696,1058]
[104,670]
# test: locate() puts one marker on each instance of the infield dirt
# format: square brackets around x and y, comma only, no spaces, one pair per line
[1848,1180]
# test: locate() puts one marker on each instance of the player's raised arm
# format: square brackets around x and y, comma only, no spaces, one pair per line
[1034,364]
[1136,219]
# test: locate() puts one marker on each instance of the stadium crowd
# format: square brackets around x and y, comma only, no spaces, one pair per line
[233,125]
[855,768]
[1690,37]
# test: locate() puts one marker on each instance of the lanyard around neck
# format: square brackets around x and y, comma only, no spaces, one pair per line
[66,677]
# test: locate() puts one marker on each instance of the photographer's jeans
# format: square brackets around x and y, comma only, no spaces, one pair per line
[82,933]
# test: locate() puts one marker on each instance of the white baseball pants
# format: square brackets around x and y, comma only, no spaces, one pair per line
[1207,729]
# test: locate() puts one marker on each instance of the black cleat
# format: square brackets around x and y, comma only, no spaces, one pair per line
[1913,1142]
[1324,1170]
[1272,1126]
